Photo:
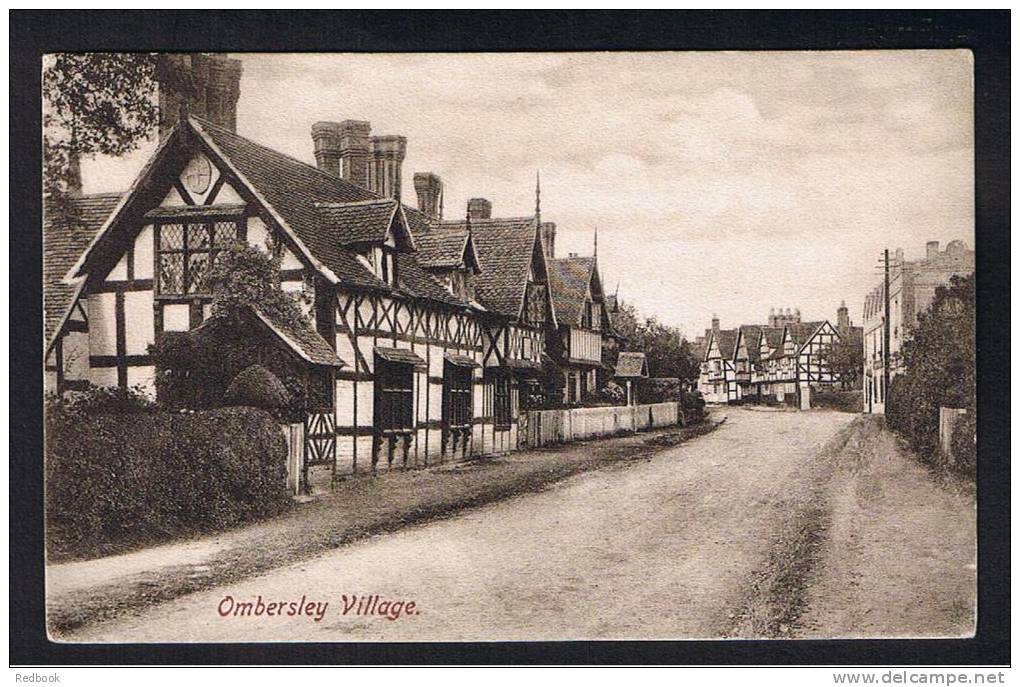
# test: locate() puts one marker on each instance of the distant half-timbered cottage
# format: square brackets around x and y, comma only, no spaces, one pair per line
[746,359]
[717,367]
[583,320]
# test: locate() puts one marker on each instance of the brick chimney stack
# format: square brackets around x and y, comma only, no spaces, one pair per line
[429,188]
[715,323]
[326,139]
[384,165]
[205,85]
[547,233]
[479,208]
[931,249]
[842,317]
[355,150]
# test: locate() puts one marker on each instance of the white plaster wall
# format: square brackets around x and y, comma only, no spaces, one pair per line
[176,317]
[143,377]
[76,355]
[144,255]
[103,376]
[139,327]
[258,234]
[102,324]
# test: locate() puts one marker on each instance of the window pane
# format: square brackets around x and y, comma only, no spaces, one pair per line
[226,233]
[198,236]
[171,273]
[198,271]
[171,237]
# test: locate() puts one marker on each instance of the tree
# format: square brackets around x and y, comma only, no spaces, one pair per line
[669,354]
[939,366]
[93,103]
[245,277]
[846,358]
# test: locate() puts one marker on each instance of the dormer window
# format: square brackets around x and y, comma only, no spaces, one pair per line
[385,264]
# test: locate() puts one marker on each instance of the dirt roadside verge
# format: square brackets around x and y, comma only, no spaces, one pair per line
[357,509]
[873,546]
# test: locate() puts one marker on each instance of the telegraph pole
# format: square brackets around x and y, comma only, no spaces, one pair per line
[885,339]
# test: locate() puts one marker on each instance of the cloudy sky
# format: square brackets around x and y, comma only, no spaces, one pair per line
[721,183]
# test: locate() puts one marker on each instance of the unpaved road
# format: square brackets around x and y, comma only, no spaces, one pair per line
[668,548]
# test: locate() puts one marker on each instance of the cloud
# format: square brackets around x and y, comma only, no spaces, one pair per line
[725,182]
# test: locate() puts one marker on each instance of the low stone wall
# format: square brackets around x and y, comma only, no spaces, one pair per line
[550,427]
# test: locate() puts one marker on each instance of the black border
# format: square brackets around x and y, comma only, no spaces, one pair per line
[986,33]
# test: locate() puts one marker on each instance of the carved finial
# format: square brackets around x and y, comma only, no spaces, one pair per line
[596,249]
[538,197]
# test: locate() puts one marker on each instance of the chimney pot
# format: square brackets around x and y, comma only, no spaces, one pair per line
[479,208]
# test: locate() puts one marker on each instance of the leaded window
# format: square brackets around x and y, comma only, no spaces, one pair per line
[535,307]
[186,252]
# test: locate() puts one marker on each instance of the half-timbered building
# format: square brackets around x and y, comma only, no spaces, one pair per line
[717,368]
[410,389]
[515,313]
[583,320]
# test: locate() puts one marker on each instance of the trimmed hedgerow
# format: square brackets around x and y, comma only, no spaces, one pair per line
[114,480]
[257,387]
[847,401]
[964,444]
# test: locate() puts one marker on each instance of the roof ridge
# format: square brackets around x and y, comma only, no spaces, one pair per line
[370,201]
[481,220]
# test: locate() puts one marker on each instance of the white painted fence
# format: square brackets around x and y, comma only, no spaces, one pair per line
[548,427]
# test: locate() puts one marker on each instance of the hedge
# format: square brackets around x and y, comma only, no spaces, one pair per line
[257,387]
[116,480]
[838,399]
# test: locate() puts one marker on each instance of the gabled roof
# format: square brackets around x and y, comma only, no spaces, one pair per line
[750,333]
[366,221]
[302,339]
[321,212]
[773,336]
[569,280]
[506,248]
[64,240]
[293,189]
[631,364]
[801,332]
[726,340]
[447,247]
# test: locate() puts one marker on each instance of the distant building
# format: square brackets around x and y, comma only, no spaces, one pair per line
[912,287]
[779,362]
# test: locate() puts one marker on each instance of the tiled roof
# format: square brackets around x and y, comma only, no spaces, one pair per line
[303,340]
[631,365]
[362,222]
[441,246]
[505,248]
[416,282]
[726,339]
[568,283]
[773,336]
[63,244]
[317,206]
[800,332]
[293,188]
[751,334]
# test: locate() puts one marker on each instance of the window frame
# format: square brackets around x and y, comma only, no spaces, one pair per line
[210,250]
[458,396]
[502,400]
[393,397]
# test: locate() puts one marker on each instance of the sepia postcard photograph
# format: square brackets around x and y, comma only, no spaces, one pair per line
[500,346]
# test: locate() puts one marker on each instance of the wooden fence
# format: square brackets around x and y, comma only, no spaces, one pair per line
[548,427]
